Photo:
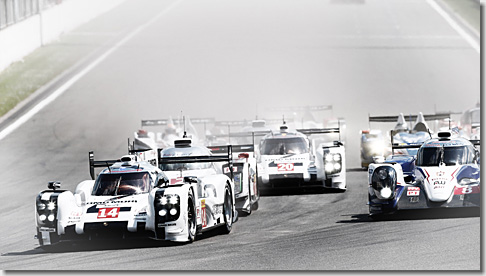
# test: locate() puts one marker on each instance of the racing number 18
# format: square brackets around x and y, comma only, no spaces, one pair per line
[108,212]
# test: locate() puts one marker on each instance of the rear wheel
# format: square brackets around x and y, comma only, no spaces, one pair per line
[191,219]
[227,212]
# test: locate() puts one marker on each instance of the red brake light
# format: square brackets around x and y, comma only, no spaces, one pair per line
[243,155]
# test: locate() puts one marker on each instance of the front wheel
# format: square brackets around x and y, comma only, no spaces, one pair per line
[227,212]
[191,219]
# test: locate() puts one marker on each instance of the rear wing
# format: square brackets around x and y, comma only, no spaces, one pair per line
[303,108]
[309,131]
[164,122]
[393,119]
[235,148]
[200,159]
[98,163]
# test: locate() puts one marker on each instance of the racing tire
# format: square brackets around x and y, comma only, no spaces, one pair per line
[191,219]
[227,212]
[254,206]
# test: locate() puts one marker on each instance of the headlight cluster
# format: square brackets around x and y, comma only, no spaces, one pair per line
[46,210]
[332,163]
[384,180]
[167,207]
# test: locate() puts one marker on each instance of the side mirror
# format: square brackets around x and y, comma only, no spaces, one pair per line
[190,179]
[53,185]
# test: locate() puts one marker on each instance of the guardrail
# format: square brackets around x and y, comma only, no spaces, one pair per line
[13,11]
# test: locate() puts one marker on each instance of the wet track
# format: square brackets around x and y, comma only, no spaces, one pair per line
[219,59]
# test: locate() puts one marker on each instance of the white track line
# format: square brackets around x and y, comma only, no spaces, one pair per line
[9,129]
[455,26]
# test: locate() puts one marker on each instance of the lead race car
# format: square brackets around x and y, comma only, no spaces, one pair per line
[133,198]
[445,173]
[292,159]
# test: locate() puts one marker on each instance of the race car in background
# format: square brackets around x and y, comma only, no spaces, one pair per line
[244,175]
[292,158]
[445,173]
[470,123]
[209,197]
[173,129]
[375,144]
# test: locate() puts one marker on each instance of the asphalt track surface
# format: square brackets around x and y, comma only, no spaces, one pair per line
[221,58]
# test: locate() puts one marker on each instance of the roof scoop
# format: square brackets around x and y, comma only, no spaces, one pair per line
[182,143]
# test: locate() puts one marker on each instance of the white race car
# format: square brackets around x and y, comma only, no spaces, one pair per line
[133,198]
[292,159]
[244,175]
[115,205]
[210,193]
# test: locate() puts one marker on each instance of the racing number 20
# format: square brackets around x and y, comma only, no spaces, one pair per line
[108,212]
[285,167]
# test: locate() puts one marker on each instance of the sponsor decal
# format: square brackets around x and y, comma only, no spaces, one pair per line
[466,190]
[285,167]
[413,199]
[203,213]
[227,170]
[108,212]
[176,180]
[413,191]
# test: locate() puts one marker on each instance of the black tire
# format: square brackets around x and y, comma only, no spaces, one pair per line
[191,219]
[254,206]
[227,212]
[248,211]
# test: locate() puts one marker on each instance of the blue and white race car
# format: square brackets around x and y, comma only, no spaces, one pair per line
[445,173]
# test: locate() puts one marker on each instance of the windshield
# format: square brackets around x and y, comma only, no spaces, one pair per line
[185,166]
[451,156]
[281,146]
[122,184]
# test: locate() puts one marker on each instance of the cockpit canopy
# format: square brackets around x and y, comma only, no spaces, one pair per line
[122,184]
[281,146]
[450,156]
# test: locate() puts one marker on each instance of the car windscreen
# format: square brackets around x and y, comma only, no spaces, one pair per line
[122,184]
[185,166]
[451,156]
[281,146]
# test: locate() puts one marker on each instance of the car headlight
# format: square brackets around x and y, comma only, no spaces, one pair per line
[384,179]
[41,206]
[42,217]
[162,212]
[173,211]
[332,163]
[51,218]
[173,200]
[51,206]
[163,200]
